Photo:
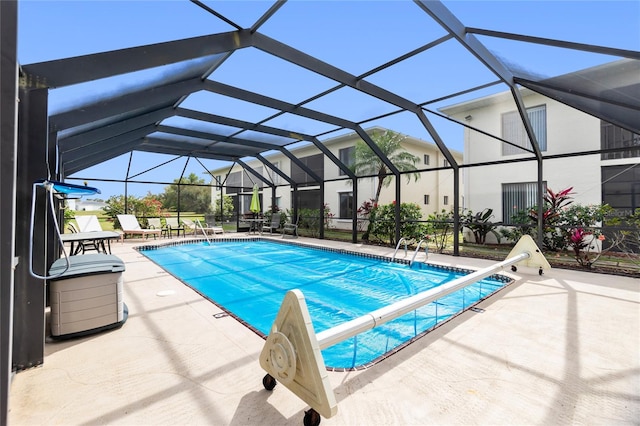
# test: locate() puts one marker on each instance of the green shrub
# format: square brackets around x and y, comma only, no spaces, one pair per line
[440,227]
[383,223]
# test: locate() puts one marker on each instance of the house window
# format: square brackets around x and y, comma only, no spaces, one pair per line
[347,156]
[308,199]
[313,162]
[621,191]
[234,182]
[517,197]
[446,200]
[445,163]
[249,179]
[275,177]
[346,205]
[612,137]
[426,198]
[513,130]
[426,159]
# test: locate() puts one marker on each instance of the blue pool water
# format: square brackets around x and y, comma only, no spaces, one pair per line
[249,279]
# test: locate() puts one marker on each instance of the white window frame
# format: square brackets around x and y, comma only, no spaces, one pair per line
[347,161]
[513,130]
[518,196]
[353,206]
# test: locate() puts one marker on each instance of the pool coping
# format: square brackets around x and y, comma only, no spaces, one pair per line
[498,277]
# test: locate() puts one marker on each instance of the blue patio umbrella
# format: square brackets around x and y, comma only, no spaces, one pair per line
[255,201]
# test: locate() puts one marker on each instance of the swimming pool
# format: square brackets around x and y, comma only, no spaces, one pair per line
[249,278]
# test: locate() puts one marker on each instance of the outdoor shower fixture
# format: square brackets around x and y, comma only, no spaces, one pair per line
[61,190]
[292,352]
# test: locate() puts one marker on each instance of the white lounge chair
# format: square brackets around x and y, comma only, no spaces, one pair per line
[193,227]
[130,225]
[88,223]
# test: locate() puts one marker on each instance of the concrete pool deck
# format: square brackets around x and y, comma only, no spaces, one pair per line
[561,348]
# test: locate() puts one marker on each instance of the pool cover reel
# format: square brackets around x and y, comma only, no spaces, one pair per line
[292,353]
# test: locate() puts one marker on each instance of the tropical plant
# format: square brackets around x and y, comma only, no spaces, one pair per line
[628,234]
[553,238]
[227,208]
[194,195]
[364,211]
[309,219]
[383,222]
[480,224]
[526,220]
[142,208]
[328,216]
[367,162]
[440,226]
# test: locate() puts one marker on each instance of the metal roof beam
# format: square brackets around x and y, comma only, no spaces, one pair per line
[269,130]
[631,54]
[279,172]
[191,148]
[453,26]
[253,172]
[443,16]
[303,60]
[241,124]
[256,98]
[80,69]
[216,137]
[77,140]
[170,151]
[313,64]
[144,100]
[300,164]
[105,146]
[268,14]
[85,162]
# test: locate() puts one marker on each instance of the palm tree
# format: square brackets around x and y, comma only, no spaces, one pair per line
[368,163]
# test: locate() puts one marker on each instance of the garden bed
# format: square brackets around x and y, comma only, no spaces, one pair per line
[623,264]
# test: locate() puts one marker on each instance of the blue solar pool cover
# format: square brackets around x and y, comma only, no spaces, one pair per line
[249,279]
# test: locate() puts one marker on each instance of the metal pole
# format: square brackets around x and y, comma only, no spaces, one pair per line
[8,159]
[378,317]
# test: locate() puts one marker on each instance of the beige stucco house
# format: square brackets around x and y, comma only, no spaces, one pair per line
[432,192]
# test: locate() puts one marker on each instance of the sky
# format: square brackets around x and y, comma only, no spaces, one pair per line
[355,36]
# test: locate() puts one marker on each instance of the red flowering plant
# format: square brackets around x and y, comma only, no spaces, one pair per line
[364,211]
[554,203]
[577,242]
[328,216]
[584,236]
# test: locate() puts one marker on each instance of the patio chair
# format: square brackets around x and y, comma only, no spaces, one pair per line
[193,227]
[156,223]
[88,223]
[274,225]
[210,224]
[291,227]
[130,225]
[174,225]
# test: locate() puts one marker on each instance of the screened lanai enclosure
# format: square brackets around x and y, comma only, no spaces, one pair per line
[241,81]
